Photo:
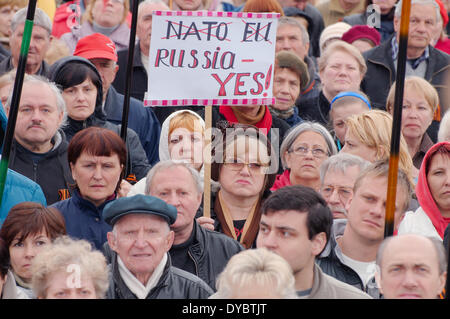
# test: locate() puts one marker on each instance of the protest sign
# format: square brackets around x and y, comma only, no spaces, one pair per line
[211,58]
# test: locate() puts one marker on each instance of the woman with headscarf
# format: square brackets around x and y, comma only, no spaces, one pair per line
[433,195]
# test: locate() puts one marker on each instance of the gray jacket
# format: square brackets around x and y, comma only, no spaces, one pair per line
[327,287]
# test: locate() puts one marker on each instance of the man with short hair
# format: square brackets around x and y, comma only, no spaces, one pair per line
[292,36]
[101,51]
[411,266]
[296,224]
[317,25]
[351,253]
[39,43]
[422,59]
[195,249]
[140,240]
[338,174]
[39,148]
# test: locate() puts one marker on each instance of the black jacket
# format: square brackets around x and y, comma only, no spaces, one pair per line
[139,81]
[210,251]
[316,109]
[52,172]
[331,264]
[173,284]
[381,74]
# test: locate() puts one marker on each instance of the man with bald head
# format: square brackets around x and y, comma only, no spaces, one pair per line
[411,267]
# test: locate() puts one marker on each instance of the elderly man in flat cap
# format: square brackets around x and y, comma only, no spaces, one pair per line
[140,264]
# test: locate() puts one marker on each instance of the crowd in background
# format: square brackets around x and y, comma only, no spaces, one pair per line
[298,200]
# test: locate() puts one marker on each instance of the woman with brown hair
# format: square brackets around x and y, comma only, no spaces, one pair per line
[97,157]
[27,229]
[245,166]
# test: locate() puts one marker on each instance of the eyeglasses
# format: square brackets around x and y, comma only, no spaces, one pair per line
[302,151]
[343,192]
[254,168]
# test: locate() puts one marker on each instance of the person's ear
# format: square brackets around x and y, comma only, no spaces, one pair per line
[112,241]
[169,240]
[318,243]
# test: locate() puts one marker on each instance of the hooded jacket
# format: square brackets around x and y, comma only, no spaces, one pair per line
[427,220]
[137,163]
[139,187]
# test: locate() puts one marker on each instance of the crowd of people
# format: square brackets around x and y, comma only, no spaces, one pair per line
[299,189]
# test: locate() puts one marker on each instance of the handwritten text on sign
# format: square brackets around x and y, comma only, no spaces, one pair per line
[209,58]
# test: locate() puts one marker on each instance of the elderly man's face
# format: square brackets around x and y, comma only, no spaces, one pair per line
[410,269]
[337,189]
[39,45]
[289,38]
[144,24]
[141,240]
[422,24]
[38,117]
[176,187]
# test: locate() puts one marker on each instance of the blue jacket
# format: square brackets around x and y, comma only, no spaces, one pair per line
[84,220]
[18,188]
[141,119]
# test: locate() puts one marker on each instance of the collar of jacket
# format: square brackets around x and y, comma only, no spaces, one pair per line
[81,202]
[118,287]
[113,105]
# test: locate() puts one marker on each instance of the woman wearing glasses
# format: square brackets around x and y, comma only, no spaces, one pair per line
[304,148]
[242,166]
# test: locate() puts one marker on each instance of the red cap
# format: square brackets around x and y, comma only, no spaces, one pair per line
[362,32]
[96,46]
[443,12]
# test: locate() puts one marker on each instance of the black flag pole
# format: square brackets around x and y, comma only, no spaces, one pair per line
[17,91]
[129,75]
[397,119]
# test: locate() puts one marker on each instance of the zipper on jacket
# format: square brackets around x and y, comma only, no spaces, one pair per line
[35,172]
[195,262]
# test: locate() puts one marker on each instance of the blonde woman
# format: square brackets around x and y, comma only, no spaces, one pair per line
[256,274]
[341,68]
[420,102]
[70,269]
[369,136]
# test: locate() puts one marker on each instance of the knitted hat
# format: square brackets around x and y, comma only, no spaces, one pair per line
[333,31]
[289,60]
[358,32]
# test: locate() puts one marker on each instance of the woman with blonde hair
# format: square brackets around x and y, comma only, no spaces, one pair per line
[369,136]
[341,68]
[70,269]
[420,102]
[256,274]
